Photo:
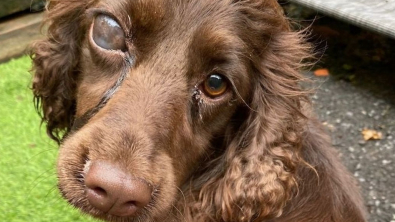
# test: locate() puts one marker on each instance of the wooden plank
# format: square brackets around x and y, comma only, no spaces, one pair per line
[18,33]
[8,7]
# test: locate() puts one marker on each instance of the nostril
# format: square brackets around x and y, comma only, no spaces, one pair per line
[99,198]
[100,191]
[131,203]
[129,206]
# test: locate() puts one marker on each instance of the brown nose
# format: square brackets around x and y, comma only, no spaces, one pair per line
[115,192]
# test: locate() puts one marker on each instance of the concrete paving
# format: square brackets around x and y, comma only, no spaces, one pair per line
[376,15]
[347,110]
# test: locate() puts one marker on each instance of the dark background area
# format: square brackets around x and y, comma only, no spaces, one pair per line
[358,94]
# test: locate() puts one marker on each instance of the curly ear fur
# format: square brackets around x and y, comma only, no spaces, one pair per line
[255,178]
[55,66]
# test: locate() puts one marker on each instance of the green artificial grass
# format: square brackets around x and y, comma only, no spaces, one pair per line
[28,191]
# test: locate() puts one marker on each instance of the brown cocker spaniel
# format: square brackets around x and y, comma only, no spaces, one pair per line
[186,110]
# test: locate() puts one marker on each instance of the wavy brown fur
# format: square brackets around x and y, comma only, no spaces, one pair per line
[258,155]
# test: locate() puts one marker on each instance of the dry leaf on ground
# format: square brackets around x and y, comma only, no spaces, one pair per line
[321,72]
[369,134]
[331,127]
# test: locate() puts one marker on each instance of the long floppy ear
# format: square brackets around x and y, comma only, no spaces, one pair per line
[55,65]
[255,178]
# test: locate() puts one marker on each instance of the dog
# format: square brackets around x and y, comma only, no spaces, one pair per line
[186,110]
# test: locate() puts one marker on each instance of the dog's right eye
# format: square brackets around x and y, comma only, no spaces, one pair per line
[215,85]
[108,34]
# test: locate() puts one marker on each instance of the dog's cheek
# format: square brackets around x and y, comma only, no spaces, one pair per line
[70,165]
[166,187]
[217,118]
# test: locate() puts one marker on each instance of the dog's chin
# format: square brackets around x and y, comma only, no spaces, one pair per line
[111,218]
[95,213]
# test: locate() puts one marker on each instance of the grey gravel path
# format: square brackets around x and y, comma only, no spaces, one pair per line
[346,110]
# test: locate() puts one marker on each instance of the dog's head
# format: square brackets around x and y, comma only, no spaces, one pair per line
[154,98]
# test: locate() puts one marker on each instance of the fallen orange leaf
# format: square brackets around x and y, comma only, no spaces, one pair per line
[321,72]
[371,135]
